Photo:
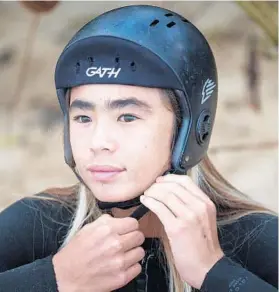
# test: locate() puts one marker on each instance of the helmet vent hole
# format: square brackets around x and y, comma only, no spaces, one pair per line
[206,118]
[185,20]
[77,67]
[204,136]
[171,24]
[133,66]
[154,22]
[204,127]
[168,14]
[91,61]
[117,61]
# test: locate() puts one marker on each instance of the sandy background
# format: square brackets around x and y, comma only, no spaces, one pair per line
[31,151]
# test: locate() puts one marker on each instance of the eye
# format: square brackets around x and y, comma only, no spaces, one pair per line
[127,118]
[82,119]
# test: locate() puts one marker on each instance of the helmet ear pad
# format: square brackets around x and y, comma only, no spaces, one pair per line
[193,135]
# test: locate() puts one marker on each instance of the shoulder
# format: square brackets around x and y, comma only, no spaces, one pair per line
[50,208]
[35,225]
[259,227]
[252,241]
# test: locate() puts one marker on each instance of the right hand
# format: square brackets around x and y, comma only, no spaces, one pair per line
[103,256]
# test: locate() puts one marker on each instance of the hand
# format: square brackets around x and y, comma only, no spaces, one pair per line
[189,219]
[103,256]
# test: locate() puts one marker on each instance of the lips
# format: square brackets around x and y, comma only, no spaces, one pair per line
[104,168]
[104,173]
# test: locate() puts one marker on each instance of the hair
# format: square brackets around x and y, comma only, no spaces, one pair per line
[231,204]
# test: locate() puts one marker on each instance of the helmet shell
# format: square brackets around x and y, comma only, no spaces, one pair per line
[146,45]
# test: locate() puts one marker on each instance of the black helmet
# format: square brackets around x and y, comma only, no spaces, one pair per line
[148,46]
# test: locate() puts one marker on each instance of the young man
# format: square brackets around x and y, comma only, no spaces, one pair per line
[138,90]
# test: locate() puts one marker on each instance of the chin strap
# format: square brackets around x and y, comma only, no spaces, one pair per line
[107,206]
[122,205]
[137,214]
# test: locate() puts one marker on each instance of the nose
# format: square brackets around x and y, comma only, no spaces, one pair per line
[103,138]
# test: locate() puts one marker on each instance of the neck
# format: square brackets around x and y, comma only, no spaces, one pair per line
[149,224]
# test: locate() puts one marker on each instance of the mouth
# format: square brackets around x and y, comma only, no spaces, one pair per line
[104,173]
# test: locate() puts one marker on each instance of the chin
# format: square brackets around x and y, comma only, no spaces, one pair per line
[114,195]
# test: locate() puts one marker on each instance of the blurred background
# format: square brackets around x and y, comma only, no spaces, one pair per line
[243,36]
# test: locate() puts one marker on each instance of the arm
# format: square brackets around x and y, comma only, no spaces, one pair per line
[30,233]
[33,277]
[254,244]
[228,276]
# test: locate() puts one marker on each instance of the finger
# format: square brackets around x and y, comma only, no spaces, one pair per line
[123,278]
[186,182]
[166,194]
[185,196]
[106,225]
[122,225]
[193,203]
[132,240]
[132,273]
[164,214]
[133,256]
[201,208]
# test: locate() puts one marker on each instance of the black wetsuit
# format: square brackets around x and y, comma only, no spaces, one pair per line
[32,230]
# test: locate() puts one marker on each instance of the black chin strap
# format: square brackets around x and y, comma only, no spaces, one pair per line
[107,206]
[137,214]
[122,205]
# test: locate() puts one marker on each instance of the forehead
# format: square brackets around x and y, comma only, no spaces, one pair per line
[100,93]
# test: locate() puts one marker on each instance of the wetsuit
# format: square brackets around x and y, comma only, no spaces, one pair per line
[31,231]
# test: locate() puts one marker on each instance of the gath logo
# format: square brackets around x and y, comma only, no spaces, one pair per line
[207,90]
[92,71]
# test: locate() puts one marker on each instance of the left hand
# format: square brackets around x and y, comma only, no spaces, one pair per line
[189,219]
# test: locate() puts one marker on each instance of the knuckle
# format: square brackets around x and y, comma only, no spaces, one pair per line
[116,245]
[105,229]
[150,190]
[177,228]
[84,229]
[134,223]
[211,207]
[203,208]
[147,192]
[119,263]
[105,218]
[192,217]
[121,279]
[187,179]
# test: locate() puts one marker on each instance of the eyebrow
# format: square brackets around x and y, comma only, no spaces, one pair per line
[111,104]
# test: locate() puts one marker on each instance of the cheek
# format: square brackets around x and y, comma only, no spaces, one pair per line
[78,144]
[151,144]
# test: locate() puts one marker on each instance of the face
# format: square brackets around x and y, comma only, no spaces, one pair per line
[120,137]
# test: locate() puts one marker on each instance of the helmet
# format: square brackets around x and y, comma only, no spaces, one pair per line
[148,46]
